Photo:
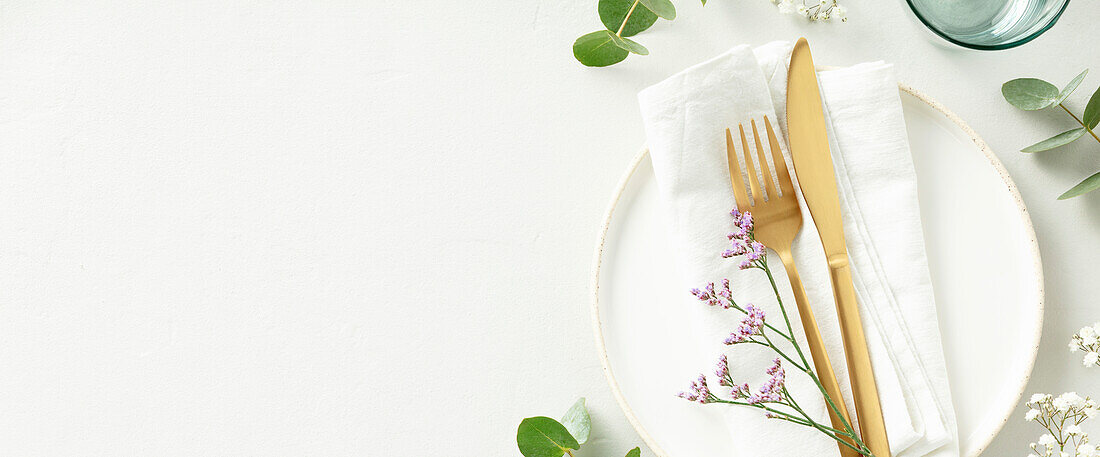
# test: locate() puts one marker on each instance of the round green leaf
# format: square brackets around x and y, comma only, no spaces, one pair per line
[612,13]
[1060,139]
[636,452]
[1092,110]
[629,45]
[577,421]
[663,8]
[1071,87]
[544,437]
[597,49]
[1029,93]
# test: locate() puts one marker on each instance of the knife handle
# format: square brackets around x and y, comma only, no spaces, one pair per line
[872,428]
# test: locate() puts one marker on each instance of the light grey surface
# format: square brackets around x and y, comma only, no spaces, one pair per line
[366,228]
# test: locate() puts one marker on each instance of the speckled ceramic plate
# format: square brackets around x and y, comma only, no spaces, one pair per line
[981,251]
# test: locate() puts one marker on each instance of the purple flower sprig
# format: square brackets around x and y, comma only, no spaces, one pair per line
[743,242]
[772,396]
[751,326]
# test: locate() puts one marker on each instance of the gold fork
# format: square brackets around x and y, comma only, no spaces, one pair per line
[778,220]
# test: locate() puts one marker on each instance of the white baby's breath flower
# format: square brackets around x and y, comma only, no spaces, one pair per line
[1090,412]
[1090,359]
[1086,450]
[1061,404]
[1087,336]
[1073,345]
[1036,398]
[787,7]
[1096,328]
[1031,415]
[841,13]
[1047,440]
[1073,429]
[813,10]
[1074,400]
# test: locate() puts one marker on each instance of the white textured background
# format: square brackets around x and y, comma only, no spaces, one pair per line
[366,228]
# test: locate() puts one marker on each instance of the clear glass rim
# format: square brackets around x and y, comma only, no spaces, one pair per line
[987,47]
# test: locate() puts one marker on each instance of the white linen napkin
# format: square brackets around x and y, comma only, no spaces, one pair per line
[685,119]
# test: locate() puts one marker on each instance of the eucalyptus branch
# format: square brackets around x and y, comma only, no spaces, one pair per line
[541,436]
[619,32]
[1083,125]
[625,18]
[1032,94]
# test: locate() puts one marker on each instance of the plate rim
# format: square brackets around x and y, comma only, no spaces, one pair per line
[1006,179]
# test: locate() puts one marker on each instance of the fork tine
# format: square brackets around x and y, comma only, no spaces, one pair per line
[754,183]
[785,184]
[735,175]
[769,181]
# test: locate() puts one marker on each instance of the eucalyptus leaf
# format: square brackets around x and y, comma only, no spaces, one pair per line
[598,49]
[1071,87]
[1090,184]
[612,13]
[1092,110]
[1029,94]
[544,437]
[636,452]
[1060,139]
[663,8]
[629,45]
[577,421]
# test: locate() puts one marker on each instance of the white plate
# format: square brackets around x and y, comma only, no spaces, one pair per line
[981,251]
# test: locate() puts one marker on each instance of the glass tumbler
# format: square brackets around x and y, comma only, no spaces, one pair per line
[988,24]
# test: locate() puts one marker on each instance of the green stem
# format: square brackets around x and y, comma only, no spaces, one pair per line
[786,320]
[1087,129]
[834,433]
[782,354]
[801,356]
[619,32]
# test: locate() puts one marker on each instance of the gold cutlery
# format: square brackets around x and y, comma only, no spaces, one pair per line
[777,222]
[814,167]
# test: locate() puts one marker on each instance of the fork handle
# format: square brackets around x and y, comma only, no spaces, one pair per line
[872,427]
[822,365]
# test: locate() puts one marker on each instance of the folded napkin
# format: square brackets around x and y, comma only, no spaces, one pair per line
[685,119]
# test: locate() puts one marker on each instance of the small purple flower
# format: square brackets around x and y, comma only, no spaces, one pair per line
[741,391]
[758,251]
[742,241]
[772,390]
[751,324]
[714,297]
[722,371]
[699,392]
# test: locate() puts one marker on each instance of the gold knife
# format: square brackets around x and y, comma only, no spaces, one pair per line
[814,167]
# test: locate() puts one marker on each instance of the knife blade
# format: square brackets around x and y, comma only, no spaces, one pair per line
[813,165]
